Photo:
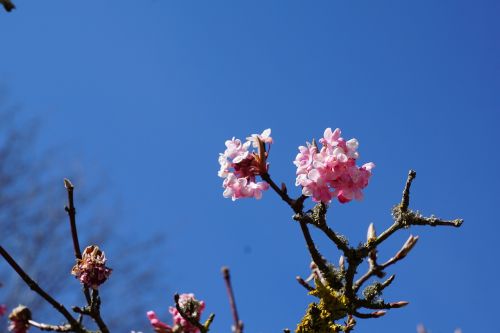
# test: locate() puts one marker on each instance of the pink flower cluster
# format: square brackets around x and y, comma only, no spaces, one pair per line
[190,306]
[3,309]
[239,167]
[332,171]
[91,270]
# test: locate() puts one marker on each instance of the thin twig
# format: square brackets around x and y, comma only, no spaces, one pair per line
[304,284]
[95,306]
[238,324]
[36,288]
[70,209]
[47,327]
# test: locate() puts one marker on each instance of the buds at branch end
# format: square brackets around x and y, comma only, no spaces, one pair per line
[67,184]
[303,283]
[387,282]
[410,243]
[378,314]
[342,263]
[371,235]
[225,272]
[399,304]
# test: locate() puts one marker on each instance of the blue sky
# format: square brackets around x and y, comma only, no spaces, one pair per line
[146,93]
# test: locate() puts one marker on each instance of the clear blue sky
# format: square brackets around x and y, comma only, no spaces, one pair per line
[147,91]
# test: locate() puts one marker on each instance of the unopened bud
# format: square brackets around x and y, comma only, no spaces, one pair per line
[378,314]
[68,184]
[371,235]
[283,188]
[388,281]
[410,243]
[399,304]
[91,270]
[341,263]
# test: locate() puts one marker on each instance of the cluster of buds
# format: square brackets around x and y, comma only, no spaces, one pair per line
[91,270]
[19,319]
[190,307]
[239,167]
[331,171]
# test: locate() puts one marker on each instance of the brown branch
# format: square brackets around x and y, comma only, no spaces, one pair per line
[75,326]
[304,284]
[95,307]
[70,209]
[7,5]
[238,324]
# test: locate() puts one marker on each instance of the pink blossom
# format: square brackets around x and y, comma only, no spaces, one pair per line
[3,309]
[190,306]
[239,167]
[158,325]
[91,270]
[332,171]
[265,137]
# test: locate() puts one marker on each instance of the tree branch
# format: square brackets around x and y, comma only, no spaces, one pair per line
[238,324]
[70,209]
[75,326]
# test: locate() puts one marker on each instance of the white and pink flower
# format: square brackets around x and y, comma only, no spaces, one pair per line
[239,167]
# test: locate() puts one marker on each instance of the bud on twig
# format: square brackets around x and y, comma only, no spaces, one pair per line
[378,314]
[371,235]
[399,304]
[410,243]
[341,263]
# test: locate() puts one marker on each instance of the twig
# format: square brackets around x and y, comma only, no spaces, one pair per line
[95,306]
[47,327]
[304,284]
[75,326]
[238,324]
[7,5]
[70,209]
[403,217]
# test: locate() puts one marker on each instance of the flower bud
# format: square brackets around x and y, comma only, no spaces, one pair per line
[408,245]
[91,269]
[378,314]
[399,304]
[371,235]
[19,319]
[341,263]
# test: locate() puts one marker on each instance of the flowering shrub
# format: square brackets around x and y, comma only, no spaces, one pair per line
[323,173]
